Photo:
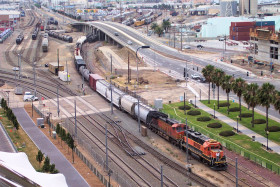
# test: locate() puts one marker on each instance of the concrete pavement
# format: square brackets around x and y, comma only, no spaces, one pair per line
[72,176]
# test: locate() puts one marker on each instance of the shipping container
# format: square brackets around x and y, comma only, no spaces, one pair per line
[240,33]
[242,29]
[92,80]
[53,67]
[265,23]
[242,24]
[241,38]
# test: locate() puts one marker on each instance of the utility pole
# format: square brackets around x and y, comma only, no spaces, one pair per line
[106,143]
[75,119]
[57,61]
[161,176]
[57,101]
[128,76]
[34,77]
[67,70]
[19,66]
[187,143]
[236,171]
[174,40]
[181,37]
[111,86]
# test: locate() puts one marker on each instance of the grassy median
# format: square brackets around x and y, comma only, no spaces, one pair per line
[21,140]
[258,128]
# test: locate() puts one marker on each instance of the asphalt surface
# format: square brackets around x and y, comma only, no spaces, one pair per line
[73,178]
[159,60]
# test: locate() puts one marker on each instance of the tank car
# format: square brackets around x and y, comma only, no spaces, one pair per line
[19,39]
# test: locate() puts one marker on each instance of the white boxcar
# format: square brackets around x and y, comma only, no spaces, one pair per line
[45,44]
[116,94]
[101,87]
[144,111]
[128,103]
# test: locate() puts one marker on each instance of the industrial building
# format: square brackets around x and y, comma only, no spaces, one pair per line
[266,45]
[219,26]
[8,18]
[240,31]
[228,8]
[249,7]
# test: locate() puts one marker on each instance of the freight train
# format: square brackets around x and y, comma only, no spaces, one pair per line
[5,34]
[207,150]
[36,30]
[60,36]
[45,43]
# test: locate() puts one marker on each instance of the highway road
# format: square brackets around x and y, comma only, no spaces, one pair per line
[180,59]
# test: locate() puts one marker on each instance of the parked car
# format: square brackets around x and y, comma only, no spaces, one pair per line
[200,46]
[15,68]
[186,47]
[116,34]
[221,39]
[29,97]
[129,42]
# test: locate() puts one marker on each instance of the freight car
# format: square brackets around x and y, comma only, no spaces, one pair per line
[19,39]
[139,23]
[200,146]
[5,34]
[35,33]
[60,36]
[78,61]
[45,45]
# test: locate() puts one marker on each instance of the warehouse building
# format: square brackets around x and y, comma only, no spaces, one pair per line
[9,17]
[266,45]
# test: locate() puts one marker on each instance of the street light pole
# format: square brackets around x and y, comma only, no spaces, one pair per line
[267,132]
[138,104]
[214,110]
[237,124]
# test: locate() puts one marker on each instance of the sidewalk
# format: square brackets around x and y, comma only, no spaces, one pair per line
[73,178]
[275,147]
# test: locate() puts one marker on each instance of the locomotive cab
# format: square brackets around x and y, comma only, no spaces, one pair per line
[214,150]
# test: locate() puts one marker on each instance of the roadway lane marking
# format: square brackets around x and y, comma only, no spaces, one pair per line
[120,31]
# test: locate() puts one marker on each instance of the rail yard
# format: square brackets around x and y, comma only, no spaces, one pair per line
[86,77]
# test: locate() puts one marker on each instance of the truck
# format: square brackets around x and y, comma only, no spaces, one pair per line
[29,97]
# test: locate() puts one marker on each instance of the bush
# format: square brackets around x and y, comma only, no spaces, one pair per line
[246,115]
[259,121]
[234,109]
[224,104]
[214,125]
[203,118]
[273,129]
[186,107]
[193,112]
[226,133]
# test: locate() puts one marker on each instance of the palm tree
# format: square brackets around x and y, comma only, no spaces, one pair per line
[266,97]
[227,85]
[238,87]
[277,101]
[166,25]
[250,97]
[218,80]
[207,73]
[159,31]
[154,26]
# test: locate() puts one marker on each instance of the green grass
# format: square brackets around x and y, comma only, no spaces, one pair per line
[259,128]
[21,140]
[240,141]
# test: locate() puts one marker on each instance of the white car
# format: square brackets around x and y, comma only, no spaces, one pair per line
[29,97]
[129,42]
[186,47]
[15,68]
[195,77]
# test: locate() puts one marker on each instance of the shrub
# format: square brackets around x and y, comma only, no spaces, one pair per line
[186,107]
[224,104]
[226,133]
[273,129]
[214,125]
[259,121]
[193,112]
[246,115]
[203,118]
[234,109]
